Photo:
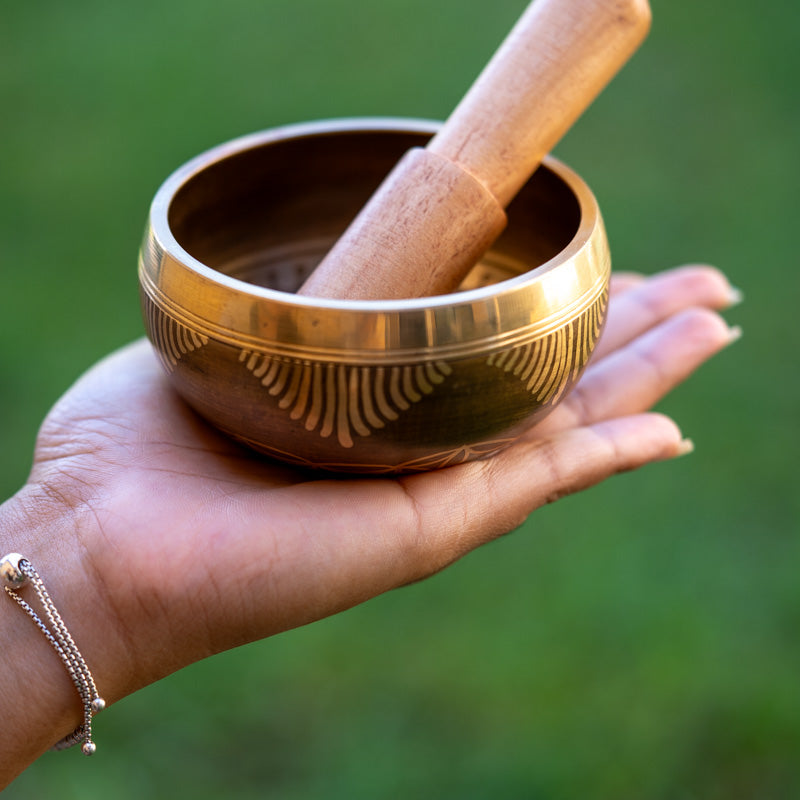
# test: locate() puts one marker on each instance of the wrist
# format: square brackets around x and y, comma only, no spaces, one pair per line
[48,532]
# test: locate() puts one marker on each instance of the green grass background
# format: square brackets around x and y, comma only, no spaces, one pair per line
[641,640]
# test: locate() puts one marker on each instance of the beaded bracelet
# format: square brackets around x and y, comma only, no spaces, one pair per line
[15,572]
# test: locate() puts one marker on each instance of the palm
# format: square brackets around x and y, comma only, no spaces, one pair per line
[237,547]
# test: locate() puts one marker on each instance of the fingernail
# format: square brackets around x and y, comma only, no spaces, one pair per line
[734,334]
[685,447]
[735,296]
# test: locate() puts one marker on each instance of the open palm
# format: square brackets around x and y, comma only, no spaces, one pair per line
[188,544]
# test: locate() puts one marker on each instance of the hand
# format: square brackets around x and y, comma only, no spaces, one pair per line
[165,542]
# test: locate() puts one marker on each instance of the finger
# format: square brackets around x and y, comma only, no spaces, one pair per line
[479,501]
[622,281]
[645,305]
[635,377]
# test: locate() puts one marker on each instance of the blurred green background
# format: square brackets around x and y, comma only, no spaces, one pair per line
[641,640]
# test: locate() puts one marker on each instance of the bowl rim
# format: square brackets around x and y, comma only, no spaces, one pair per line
[505,294]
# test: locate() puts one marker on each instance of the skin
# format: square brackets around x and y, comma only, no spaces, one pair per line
[161,542]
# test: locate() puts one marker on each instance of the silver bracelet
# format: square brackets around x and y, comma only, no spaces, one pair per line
[15,572]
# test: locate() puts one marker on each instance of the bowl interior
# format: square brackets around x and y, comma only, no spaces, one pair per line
[266,215]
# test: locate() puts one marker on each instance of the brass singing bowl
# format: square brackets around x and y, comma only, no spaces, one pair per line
[362,386]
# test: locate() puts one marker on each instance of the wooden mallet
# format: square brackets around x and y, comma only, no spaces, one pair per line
[442,206]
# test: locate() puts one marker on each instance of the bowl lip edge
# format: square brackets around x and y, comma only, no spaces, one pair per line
[159,228]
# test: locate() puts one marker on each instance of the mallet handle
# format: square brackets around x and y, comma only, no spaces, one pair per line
[441,207]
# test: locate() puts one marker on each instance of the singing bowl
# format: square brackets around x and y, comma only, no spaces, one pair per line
[362,386]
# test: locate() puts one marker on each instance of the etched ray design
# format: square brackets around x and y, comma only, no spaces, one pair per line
[549,365]
[343,399]
[437,460]
[172,339]
[456,455]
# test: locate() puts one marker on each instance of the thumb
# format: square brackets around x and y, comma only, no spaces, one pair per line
[476,502]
